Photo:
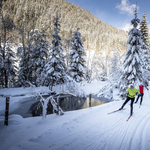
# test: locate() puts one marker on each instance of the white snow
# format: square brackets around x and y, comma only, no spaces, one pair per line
[85,129]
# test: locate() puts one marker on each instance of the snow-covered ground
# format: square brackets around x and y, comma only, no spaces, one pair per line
[85,129]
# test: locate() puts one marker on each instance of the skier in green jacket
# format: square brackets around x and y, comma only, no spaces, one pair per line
[130,96]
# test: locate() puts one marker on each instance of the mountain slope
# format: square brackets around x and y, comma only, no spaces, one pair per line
[96,34]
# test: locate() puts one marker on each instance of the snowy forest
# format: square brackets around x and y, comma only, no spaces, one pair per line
[42,62]
[51,68]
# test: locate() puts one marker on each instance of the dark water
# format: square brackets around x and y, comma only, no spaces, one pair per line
[68,104]
[76,103]
[32,107]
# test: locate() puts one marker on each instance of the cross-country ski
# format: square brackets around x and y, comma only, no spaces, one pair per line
[116,111]
[128,118]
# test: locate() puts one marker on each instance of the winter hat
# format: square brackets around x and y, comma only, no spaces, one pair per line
[131,85]
[141,83]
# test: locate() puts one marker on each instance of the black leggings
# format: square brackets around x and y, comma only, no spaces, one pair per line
[132,101]
[141,99]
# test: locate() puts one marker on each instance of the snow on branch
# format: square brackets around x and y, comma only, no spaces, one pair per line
[106,92]
[74,89]
[44,102]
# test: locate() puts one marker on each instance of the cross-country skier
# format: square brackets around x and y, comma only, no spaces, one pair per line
[130,96]
[141,89]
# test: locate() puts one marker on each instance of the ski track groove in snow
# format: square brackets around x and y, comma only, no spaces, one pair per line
[120,134]
[124,128]
[146,138]
[96,135]
[139,131]
[89,129]
[133,126]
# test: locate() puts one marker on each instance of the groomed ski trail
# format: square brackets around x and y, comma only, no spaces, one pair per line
[112,131]
[88,129]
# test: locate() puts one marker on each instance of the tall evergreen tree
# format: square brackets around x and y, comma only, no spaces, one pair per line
[33,57]
[6,26]
[24,52]
[132,64]
[77,62]
[9,65]
[88,70]
[114,66]
[39,55]
[55,70]
[67,48]
[98,67]
[145,47]
[144,30]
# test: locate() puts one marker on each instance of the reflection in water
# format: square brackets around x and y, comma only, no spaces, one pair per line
[75,103]
[67,104]
[94,102]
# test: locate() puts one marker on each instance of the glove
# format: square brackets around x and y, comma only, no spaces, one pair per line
[140,94]
[147,89]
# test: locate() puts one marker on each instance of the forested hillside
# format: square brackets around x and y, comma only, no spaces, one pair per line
[96,35]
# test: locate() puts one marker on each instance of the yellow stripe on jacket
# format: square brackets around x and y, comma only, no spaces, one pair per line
[131,92]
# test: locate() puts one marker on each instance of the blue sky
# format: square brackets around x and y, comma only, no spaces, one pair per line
[117,13]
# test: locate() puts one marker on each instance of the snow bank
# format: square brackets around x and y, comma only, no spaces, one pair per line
[90,128]
[22,91]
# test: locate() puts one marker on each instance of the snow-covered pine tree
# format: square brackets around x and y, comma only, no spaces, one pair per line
[23,67]
[144,30]
[6,26]
[67,48]
[39,55]
[132,64]
[55,70]
[24,52]
[114,73]
[30,49]
[145,47]
[114,68]
[96,65]
[88,70]
[10,67]
[77,62]
[99,66]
